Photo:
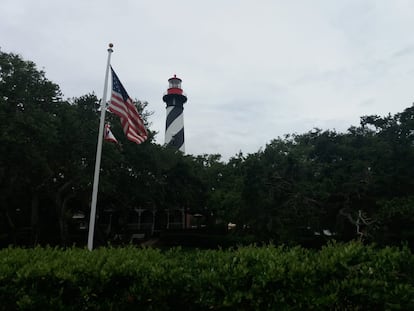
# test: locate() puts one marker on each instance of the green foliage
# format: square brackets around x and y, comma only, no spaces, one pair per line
[353,185]
[395,221]
[338,277]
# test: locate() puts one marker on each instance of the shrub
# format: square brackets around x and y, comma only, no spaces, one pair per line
[338,277]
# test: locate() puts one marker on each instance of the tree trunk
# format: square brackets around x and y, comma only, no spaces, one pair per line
[34,219]
[61,206]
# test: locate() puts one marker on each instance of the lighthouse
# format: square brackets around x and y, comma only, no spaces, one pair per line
[174,98]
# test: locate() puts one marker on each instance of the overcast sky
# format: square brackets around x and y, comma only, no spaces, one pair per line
[252,70]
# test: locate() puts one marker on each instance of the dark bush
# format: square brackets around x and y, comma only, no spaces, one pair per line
[337,277]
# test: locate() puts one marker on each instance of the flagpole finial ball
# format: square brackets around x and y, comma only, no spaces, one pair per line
[111,45]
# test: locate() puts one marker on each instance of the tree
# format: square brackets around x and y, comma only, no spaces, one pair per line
[28,129]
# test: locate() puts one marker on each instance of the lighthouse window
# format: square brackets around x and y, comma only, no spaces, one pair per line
[175,83]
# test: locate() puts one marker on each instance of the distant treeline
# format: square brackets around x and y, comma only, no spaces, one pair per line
[299,189]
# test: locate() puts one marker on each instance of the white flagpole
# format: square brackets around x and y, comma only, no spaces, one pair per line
[98,154]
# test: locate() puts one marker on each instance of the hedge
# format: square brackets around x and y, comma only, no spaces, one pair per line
[338,277]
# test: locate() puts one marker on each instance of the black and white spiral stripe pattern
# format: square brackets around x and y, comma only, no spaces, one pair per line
[174,126]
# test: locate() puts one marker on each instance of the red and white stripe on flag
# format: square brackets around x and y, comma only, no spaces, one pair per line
[122,105]
[108,136]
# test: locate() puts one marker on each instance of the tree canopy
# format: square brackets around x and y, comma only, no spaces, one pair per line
[300,188]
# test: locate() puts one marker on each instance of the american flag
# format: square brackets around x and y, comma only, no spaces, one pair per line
[121,105]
